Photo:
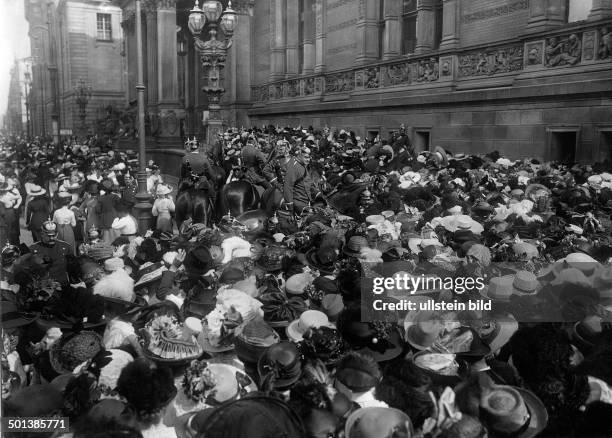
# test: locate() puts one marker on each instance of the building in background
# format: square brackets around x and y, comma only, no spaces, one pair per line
[72,41]
[526,77]
[14,117]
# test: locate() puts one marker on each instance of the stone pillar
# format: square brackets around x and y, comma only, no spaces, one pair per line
[308,63]
[320,47]
[150,8]
[170,110]
[291,51]
[425,26]
[601,9]
[277,39]
[392,42]
[238,68]
[546,15]
[450,24]
[366,32]
[167,57]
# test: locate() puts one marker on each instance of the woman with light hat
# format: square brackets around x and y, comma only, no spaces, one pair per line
[65,220]
[163,208]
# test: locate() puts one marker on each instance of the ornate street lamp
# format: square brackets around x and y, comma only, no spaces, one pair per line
[82,95]
[143,206]
[213,53]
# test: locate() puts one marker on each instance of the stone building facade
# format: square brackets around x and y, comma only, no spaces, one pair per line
[72,40]
[529,77]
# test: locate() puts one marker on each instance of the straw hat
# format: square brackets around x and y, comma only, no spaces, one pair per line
[307,320]
[163,190]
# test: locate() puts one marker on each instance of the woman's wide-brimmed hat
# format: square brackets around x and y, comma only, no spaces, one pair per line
[72,350]
[252,338]
[322,259]
[228,383]
[271,259]
[354,246]
[382,341]
[280,366]
[496,330]
[279,310]
[307,320]
[372,422]
[162,190]
[11,317]
[505,410]
[440,156]
[325,343]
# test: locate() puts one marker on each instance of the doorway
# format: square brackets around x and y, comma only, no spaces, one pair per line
[562,146]
[422,140]
[372,134]
[605,145]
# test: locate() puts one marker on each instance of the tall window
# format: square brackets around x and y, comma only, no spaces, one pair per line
[381,29]
[301,18]
[439,21]
[409,19]
[578,10]
[104,27]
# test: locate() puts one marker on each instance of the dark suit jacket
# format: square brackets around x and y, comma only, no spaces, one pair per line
[106,209]
[38,212]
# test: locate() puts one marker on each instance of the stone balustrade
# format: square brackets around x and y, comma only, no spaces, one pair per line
[581,44]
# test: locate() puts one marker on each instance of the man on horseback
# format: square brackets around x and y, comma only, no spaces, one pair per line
[298,188]
[276,167]
[197,163]
[254,160]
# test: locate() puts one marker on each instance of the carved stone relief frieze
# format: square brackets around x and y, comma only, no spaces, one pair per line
[340,82]
[588,45]
[308,87]
[398,74]
[534,54]
[446,67]
[490,62]
[291,88]
[264,93]
[427,70]
[372,77]
[563,50]
[318,85]
[604,50]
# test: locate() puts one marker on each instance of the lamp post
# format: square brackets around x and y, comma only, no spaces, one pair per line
[143,206]
[213,53]
[82,95]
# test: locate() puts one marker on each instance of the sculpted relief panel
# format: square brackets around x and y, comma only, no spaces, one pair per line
[490,62]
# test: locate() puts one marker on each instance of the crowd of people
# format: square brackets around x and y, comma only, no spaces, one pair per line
[264,325]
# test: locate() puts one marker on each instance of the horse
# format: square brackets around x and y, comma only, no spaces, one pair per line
[237,197]
[193,202]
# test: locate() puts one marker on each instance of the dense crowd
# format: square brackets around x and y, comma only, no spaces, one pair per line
[262,323]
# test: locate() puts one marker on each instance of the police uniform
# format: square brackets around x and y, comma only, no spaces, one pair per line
[57,254]
[298,186]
